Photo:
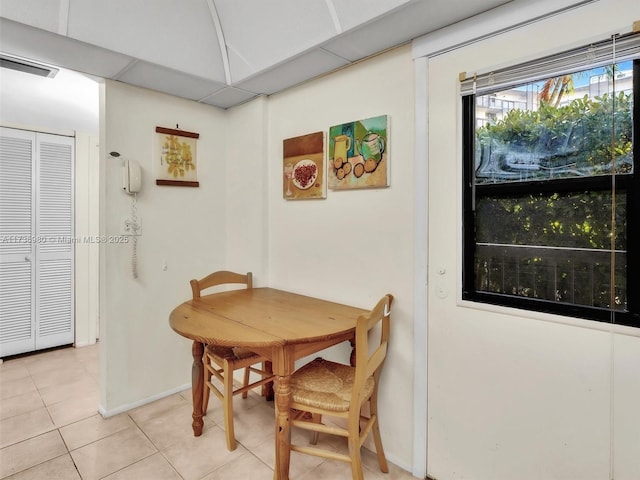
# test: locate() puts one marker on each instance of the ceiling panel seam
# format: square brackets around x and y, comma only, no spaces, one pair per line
[334,54]
[334,15]
[221,41]
[63,17]
[126,68]
[244,60]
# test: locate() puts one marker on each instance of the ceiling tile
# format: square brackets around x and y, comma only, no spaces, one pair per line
[35,44]
[162,79]
[180,35]
[228,97]
[42,14]
[403,25]
[353,13]
[261,34]
[293,72]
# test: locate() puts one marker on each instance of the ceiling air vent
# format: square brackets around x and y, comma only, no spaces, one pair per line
[27,66]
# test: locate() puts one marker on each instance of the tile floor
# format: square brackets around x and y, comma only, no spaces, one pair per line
[50,429]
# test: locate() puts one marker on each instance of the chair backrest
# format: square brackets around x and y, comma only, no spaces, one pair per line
[220,278]
[370,364]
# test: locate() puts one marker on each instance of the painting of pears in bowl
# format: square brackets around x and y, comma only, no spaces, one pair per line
[359,154]
[176,157]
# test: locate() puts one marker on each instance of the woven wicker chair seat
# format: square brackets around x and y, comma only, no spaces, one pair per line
[327,385]
[229,353]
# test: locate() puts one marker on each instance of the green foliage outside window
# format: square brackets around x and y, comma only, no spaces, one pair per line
[547,243]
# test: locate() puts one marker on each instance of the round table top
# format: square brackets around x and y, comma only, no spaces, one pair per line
[262,317]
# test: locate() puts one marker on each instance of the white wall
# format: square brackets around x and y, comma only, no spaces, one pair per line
[354,246]
[246,199]
[516,395]
[141,357]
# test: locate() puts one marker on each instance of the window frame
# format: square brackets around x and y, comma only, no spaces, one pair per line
[629,182]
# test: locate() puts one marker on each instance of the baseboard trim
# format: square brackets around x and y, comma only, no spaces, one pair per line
[124,408]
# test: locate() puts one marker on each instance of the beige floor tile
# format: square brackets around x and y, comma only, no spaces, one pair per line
[60,468]
[68,371]
[16,386]
[112,453]
[173,426]
[253,419]
[157,408]
[49,361]
[31,452]
[21,427]
[244,467]
[82,385]
[19,404]
[298,464]
[152,442]
[87,354]
[330,469]
[75,409]
[154,467]
[12,370]
[94,428]
[196,457]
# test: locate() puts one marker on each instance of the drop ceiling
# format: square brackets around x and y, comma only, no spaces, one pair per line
[218,52]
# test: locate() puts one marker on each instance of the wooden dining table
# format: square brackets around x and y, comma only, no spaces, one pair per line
[280,325]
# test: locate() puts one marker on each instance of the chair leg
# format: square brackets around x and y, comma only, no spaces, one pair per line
[315,418]
[353,428]
[205,390]
[356,458]
[246,381]
[382,461]
[228,407]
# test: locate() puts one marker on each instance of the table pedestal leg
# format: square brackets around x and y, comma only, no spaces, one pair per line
[197,387]
[283,428]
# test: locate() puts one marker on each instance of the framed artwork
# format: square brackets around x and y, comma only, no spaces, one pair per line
[303,169]
[175,162]
[359,154]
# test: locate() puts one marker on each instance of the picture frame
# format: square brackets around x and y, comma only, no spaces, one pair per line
[303,167]
[176,157]
[359,154]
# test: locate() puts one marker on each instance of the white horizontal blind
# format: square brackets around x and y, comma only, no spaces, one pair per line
[595,55]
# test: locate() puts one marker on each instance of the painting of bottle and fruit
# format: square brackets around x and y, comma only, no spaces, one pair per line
[358,154]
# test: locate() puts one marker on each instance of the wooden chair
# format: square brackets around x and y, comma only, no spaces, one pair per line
[326,388]
[221,362]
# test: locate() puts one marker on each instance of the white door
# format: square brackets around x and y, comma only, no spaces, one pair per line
[36,241]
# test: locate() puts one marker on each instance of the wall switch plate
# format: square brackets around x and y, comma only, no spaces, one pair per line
[129,227]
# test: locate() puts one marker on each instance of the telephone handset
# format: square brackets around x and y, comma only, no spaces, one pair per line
[131,177]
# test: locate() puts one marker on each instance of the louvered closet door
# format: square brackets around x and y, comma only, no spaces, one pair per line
[36,247]
[17,228]
[54,246]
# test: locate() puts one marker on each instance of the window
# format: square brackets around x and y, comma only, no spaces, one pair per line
[551,189]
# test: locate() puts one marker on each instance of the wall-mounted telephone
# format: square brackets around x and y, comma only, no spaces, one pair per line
[131,177]
[131,184]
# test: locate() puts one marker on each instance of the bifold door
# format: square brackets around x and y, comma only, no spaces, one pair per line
[36,241]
